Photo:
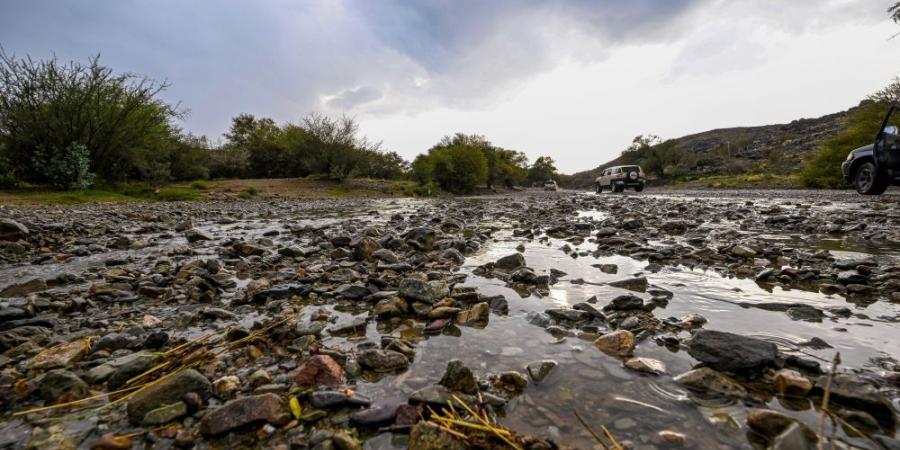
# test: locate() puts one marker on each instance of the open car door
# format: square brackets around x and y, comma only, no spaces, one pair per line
[886,151]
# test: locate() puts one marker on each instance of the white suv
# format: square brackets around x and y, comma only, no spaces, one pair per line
[618,178]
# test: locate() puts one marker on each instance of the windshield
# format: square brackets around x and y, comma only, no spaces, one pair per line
[630,168]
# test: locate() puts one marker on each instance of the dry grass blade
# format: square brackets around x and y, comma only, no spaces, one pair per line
[825,398]
[590,430]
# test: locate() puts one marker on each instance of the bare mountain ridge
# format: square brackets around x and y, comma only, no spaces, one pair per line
[780,148]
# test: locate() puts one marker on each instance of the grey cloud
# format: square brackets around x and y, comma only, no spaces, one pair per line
[352,97]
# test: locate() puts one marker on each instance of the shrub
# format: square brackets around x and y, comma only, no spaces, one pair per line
[248,193]
[45,106]
[64,169]
[200,185]
[823,169]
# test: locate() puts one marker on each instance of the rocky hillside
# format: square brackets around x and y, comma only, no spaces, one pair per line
[780,149]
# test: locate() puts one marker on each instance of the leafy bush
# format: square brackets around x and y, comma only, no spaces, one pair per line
[248,193]
[64,169]
[200,185]
[45,106]
[823,169]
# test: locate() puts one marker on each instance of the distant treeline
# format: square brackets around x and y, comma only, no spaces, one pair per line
[68,125]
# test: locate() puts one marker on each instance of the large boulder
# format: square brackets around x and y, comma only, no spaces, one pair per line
[319,370]
[244,411]
[166,392]
[617,343]
[510,262]
[10,230]
[731,352]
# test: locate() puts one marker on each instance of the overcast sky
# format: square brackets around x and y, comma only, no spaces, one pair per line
[576,79]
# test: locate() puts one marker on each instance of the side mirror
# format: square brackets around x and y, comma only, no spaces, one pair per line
[891,129]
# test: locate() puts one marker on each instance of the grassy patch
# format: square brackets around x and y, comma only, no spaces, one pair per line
[62,197]
[752,180]
[200,185]
[177,194]
[248,193]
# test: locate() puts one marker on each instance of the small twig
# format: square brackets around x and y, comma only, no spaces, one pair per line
[825,398]
[590,430]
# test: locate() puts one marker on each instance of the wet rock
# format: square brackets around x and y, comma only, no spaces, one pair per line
[364,248]
[421,239]
[226,387]
[24,288]
[427,292]
[617,343]
[539,370]
[61,355]
[478,314]
[499,305]
[731,352]
[165,414]
[437,396]
[590,309]
[854,391]
[573,315]
[281,291]
[511,262]
[770,424]
[742,251]
[791,383]
[10,230]
[195,235]
[319,370]
[453,255]
[638,284]
[630,323]
[805,313]
[60,384]
[244,411]
[708,380]
[382,360]
[385,255]
[166,392]
[458,377]
[625,303]
[646,365]
[259,377]
[512,381]
[852,277]
[428,436]
[378,414]
[538,318]
[312,328]
[333,399]
[110,441]
[669,439]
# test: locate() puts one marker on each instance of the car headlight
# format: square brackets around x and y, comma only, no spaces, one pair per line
[850,156]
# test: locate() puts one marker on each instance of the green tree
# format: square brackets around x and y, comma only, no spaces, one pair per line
[55,108]
[543,169]
[459,168]
[894,11]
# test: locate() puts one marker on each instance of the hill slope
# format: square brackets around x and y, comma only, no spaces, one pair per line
[779,149]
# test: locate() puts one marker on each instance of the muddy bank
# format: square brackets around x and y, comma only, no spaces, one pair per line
[686,319]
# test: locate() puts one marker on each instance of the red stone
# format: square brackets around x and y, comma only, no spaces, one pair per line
[319,370]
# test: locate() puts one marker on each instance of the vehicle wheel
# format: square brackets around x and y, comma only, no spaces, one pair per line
[868,181]
[639,188]
[618,188]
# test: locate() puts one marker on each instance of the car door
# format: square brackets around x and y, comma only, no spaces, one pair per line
[604,178]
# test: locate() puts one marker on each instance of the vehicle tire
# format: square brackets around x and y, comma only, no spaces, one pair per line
[639,188]
[868,181]
[618,188]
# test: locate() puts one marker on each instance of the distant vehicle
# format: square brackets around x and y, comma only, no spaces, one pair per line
[550,185]
[874,167]
[618,178]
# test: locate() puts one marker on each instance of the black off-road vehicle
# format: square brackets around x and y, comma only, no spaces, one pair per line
[874,167]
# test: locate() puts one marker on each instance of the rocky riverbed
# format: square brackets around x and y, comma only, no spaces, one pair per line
[674,320]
